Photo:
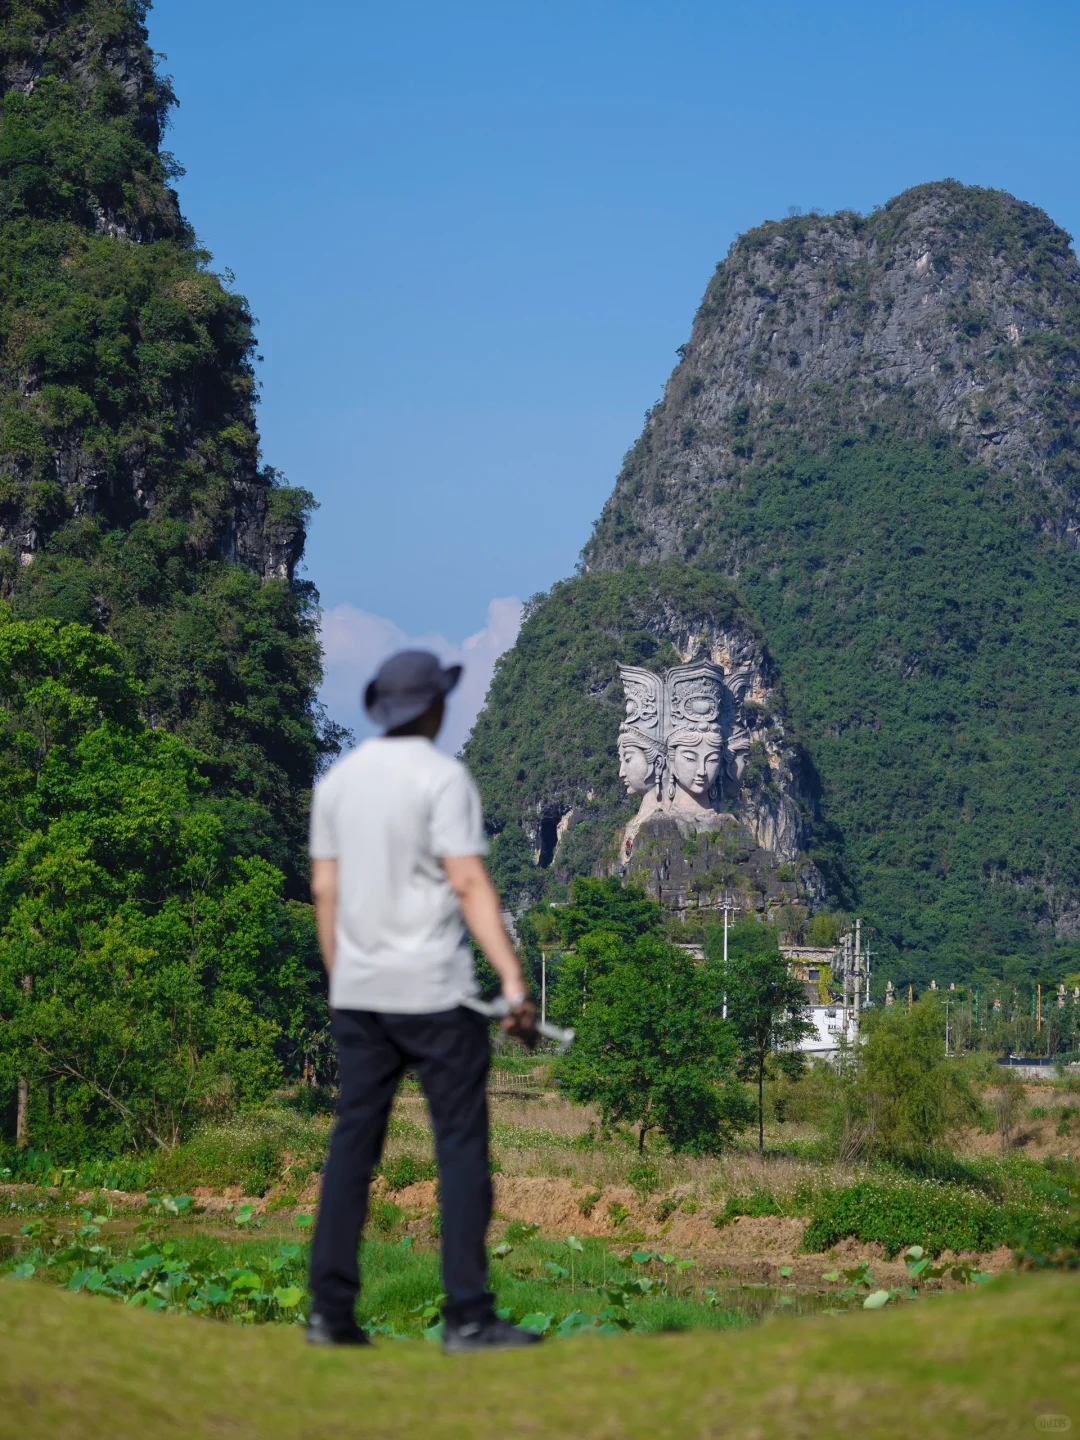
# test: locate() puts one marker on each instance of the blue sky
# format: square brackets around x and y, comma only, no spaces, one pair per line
[475,233]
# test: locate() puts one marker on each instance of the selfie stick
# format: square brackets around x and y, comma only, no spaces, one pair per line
[498,1009]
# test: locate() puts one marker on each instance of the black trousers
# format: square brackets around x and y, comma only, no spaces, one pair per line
[450,1053]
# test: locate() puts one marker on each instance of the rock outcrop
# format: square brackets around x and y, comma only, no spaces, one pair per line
[949,309]
[873,434]
[545,747]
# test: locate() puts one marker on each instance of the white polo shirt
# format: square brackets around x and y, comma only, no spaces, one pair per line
[388,813]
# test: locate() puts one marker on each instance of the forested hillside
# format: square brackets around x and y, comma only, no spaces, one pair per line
[872,435]
[159,731]
[544,746]
[133,497]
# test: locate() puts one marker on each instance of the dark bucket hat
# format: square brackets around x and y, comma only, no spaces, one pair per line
[405,685]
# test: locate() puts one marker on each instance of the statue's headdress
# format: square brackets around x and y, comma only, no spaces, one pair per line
[685,706]
[644,724]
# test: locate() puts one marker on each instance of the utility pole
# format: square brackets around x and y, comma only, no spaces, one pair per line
[909,991]
[543,986]
[946,1025]
[858,966]
[857,975]
[1038,1020]
[726,907]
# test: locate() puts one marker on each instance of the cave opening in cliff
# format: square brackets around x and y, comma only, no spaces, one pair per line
[549,838]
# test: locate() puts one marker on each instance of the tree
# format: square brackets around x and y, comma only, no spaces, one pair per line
[766,1007]
[610,906]
[652,1050]
[146,967]
[512,868]
[902,1080]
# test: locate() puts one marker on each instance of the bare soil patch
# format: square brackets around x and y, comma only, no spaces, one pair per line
[748,1248]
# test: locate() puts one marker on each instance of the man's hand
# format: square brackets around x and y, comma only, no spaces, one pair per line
[520,1024]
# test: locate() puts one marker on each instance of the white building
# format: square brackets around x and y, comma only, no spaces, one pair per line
[834,1024]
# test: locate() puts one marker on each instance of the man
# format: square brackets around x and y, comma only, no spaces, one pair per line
[397,846]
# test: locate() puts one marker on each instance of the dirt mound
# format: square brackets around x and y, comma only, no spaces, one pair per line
[749,1248]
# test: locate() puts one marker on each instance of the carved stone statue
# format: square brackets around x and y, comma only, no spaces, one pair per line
[681,745]
[695,761]
[642,756]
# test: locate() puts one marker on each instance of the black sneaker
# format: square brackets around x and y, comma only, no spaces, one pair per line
[490,1334]
[321,1332]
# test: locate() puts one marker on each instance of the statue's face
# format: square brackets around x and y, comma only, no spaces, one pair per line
[637,768]
[696,765]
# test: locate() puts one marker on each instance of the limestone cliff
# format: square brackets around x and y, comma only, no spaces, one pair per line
[949,309]
[544,749]
[133,497]
[83,118]
[872,437]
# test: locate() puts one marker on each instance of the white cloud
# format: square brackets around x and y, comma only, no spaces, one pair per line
[355,642]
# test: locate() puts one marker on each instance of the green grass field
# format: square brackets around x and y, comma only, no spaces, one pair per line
[971,1365]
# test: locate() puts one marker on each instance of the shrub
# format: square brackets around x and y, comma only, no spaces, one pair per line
[758,1202]
[384,1216]
[936,1216]
[407,1169]
[643,1177]
[905,1095]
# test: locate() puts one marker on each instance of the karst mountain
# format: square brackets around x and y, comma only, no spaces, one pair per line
[133,496]
[864,469]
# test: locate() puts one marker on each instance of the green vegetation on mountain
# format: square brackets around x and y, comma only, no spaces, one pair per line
[870,438]
[131,493]
[546,738]
[928,642]
[160,731]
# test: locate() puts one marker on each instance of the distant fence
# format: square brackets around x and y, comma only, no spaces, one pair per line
[522,1085]
[1038,1068]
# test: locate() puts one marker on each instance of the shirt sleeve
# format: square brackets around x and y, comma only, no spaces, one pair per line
[457,818]
[322,841]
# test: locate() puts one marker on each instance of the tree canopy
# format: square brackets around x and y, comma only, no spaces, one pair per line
[652,1050]
[149,970]
[766,1007]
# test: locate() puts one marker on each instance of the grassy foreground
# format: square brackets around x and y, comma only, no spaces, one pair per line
[987,1364]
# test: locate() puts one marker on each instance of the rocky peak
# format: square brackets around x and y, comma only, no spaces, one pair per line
[951,309]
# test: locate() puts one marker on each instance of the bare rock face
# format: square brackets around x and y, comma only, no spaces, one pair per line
[950,309]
